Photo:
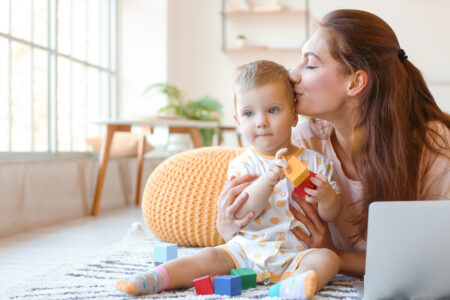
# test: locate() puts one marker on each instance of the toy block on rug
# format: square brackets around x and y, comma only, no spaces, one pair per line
[300,190]
[164,252]
[248,277]
[205,285]
[228,285]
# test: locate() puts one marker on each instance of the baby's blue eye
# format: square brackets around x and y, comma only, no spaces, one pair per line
[273,110]
[248,113]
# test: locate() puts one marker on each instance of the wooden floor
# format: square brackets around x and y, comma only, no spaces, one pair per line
[31,253]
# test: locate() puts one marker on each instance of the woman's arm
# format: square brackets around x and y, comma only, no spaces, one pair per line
[434,178]
[351,263]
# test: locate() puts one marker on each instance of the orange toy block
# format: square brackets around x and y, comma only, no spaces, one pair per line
[298,171]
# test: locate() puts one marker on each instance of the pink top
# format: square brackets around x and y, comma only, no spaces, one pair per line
[434,181]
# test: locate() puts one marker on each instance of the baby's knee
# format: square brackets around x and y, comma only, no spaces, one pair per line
[209,254]
[330,257]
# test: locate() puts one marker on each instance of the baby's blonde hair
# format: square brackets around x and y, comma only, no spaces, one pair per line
[261,72]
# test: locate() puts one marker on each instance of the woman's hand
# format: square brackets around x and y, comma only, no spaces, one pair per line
[351,263]
[320,236]
[229,202]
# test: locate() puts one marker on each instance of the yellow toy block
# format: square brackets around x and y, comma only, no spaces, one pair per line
[298,171]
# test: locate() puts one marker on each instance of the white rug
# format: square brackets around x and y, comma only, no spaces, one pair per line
[94,277]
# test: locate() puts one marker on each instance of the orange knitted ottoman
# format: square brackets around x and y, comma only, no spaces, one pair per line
[180,197]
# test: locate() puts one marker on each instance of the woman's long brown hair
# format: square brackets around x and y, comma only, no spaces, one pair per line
[396,110]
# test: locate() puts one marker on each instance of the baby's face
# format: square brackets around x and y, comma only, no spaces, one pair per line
[265,116]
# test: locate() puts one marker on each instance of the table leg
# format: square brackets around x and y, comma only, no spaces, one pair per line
[196,137]
[146,130]
[239,139]
[194,133]
[228,128]
[104,158]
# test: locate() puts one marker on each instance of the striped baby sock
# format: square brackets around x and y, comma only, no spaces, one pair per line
[151,282]
[302,286]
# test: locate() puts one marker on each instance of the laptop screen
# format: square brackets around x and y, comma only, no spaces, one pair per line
[408,250]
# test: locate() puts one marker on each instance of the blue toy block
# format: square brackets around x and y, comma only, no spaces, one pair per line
[164,252]
[228,285]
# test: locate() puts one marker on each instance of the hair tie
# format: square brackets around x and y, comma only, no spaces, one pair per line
[402,55]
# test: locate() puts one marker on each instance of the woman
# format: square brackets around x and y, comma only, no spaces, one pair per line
[380,127]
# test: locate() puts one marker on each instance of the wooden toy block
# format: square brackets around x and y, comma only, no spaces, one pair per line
[164,252]
[298,171]
[229,285]
[205,285]
[248,277]
[300,190]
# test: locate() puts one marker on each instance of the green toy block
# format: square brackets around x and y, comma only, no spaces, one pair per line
[248,277]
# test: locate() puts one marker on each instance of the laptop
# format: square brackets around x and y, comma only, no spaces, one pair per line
[408,250]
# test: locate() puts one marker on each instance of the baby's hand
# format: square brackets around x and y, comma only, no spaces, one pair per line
[323,192]
[274,173]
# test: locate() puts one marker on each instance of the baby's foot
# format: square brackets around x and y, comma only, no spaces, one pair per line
[151,282]
[302,286]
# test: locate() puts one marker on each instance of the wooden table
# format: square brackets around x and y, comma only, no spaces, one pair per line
[191,127]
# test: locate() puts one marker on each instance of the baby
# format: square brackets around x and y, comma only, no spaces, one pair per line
[265,112]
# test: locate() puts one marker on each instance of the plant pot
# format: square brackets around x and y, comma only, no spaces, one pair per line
[240,42]
[207,135]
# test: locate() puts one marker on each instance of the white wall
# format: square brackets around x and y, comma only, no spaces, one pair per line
[141,54]
[196,62]
[47,192]
[197,65]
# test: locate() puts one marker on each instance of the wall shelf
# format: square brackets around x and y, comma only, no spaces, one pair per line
[251,48]
[257,13]
[236,16]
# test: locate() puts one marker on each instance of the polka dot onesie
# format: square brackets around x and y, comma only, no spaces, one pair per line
[266,244]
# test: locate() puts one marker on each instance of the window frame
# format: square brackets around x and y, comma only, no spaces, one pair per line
[107,15]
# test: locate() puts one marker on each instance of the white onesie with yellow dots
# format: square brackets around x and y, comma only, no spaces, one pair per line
[266,244]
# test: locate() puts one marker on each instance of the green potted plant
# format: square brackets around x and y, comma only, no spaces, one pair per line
[204,108]
[241,40]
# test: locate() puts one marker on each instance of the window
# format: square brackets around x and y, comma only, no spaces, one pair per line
[57,71]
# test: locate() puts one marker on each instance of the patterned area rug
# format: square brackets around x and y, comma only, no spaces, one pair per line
[94,277]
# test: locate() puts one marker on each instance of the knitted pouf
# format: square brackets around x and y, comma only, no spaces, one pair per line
[180,198]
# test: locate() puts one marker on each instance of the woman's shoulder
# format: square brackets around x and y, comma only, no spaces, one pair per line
[438,138]
[435,165]
[439,133]
[312,134]
[312,155]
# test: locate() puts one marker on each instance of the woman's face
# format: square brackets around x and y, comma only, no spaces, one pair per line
[320,89]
